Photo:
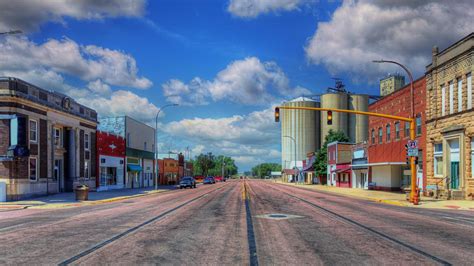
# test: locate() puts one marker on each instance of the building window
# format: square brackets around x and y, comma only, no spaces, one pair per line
[438,159]
[472,157]
[144,146]
[407,129]
[388,132]
[86,142]
[128,140]
[33,131]
[57,137]
[397,130]
[33,171]
[86,170]
[469,91]
[443,101]
[373,136]
[460,95]
[418,125]
[451,97]
[380,135]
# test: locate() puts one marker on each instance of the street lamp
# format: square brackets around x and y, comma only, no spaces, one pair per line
[412,126]
[11,32]
[294,144]
[156,142]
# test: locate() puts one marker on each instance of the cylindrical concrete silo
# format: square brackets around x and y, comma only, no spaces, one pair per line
[358,124]
[339,120]
[303,126]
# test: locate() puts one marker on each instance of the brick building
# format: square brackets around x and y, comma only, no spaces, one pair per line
[168,171]
[339,164]
[388,169]
[450,123]
[110,161]
[47,141]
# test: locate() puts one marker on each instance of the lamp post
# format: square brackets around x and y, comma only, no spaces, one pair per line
[11,32]
[156,142]
[412,125]
[294,144]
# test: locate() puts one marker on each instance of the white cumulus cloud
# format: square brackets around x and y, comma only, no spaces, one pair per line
[254,8]
[405,31]
[65,56]
[27,15]
[247,81]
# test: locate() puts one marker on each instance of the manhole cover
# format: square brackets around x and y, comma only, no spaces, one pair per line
[278,216]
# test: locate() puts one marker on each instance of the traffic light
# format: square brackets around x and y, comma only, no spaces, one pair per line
[406,154]
[277,114]
[329,117]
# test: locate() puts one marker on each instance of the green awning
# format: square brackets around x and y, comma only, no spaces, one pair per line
[134,168]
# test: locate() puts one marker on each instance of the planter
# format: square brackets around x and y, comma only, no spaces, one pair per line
[82,193]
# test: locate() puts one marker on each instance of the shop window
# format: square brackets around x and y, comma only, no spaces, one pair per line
[407,129]
[387,135]
[33,131]
[33,171]
[380,135]
[397,130]
[418,125]
[438,159]
[86,170]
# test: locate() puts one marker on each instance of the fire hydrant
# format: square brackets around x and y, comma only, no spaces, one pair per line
[416,197]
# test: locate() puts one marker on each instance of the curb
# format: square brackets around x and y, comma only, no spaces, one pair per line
[79,203]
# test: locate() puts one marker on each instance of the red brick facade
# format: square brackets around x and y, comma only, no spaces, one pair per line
[392,149]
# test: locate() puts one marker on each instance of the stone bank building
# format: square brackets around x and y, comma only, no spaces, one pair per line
[450,121]
[47,141]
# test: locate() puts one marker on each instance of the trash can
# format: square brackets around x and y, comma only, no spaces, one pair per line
[82,192]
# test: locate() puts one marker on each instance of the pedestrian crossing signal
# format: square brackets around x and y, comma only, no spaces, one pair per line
[277,114]
[329,117]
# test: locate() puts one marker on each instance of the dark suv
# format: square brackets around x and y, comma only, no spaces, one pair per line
[187,181]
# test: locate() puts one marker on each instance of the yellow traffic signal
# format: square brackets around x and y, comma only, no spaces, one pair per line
[277,114]
[329,117]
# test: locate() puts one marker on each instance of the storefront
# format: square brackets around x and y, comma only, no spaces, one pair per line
[111,173]
[134,177]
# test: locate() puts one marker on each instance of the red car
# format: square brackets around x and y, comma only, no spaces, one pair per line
[219,178]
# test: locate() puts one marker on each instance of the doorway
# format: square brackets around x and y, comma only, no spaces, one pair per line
[454,175]
[57,174]
[454,163]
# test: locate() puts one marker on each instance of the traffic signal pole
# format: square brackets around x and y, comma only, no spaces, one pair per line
[413,191]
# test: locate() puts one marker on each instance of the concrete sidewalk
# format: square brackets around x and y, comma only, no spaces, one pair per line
[67,200]
[393,198]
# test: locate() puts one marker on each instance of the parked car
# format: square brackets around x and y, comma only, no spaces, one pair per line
[187,181]
[209,180]
[219,178]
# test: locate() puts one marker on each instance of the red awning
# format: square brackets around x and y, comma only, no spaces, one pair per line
[342,170]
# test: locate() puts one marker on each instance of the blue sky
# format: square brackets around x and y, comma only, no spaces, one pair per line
[225,62]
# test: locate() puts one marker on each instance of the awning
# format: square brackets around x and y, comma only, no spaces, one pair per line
[134,168]
[341,170]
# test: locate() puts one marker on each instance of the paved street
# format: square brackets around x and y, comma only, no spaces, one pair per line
[237,222]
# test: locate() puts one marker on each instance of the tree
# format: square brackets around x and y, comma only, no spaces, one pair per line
[321,163]
[265,169]
[204,162]
[208,164]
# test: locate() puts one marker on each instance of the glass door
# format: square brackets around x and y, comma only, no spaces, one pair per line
[454,175]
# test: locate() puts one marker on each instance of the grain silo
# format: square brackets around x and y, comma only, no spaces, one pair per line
[358,124]
[301,125]
[338,100]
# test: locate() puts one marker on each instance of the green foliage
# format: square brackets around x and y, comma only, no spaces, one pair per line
[264,169]
[210,165]
[321,163]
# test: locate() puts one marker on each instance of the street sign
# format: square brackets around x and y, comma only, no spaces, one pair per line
[412,144]
[412,152]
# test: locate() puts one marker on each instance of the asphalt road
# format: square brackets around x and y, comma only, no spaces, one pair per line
[238,223]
